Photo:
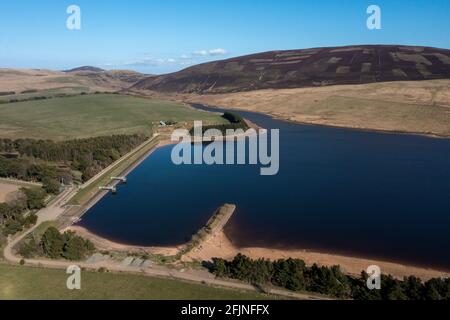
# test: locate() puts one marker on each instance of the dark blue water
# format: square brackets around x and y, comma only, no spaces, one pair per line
[344,191]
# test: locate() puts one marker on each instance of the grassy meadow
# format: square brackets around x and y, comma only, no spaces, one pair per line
[43,284]
[91,115]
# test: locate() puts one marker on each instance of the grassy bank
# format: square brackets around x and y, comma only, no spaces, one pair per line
[37,283]
[92,115]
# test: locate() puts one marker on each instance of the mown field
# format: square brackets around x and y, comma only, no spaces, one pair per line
[41,284]
[91,115]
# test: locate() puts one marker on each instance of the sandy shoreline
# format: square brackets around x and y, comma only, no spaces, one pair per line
[108,245]
[220,246]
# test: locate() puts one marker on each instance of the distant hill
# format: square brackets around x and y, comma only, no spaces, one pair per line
[85,68]
[307,68]
[18,84]
[99,74]
[128,76]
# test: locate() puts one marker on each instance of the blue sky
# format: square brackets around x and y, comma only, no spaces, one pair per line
[168,35]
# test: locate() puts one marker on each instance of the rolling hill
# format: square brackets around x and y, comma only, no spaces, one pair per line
[18,84]
[127,76]
[315,67]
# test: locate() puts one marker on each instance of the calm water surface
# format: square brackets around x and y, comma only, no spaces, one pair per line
[343,191]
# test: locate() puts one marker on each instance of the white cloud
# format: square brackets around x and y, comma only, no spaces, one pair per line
[150,62]
[218,52]
[212,52]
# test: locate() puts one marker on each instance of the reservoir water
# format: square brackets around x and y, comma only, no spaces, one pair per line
[343,191]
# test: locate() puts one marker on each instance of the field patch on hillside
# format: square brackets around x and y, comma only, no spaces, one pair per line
[92,115]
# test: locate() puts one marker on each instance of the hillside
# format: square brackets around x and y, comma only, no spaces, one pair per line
[406,106]
[129,77]
[306,68]
[19,84]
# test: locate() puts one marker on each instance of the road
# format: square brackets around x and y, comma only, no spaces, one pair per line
[50,213]
[56,208]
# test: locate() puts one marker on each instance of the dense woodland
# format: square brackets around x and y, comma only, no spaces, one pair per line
[48,161]
[293,274]
[51,163]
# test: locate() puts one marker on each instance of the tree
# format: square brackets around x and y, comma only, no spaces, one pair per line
[69,245]
[28,249]
[392,289]
[35,198]
[219,267]
[74,248]
[52,243]
[51,185]
[413,288]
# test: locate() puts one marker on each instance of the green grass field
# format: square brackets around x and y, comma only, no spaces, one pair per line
[91,115]
[37,283]
[72,90]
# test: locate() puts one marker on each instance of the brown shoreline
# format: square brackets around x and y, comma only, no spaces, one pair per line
[356,128]
[104,244]
[220,246]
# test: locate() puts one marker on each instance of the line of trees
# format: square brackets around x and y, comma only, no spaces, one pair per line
[293,274]
[7,93]
[32,98]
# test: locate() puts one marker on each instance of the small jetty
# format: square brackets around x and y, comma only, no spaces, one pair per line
[120,179]
[214,225]
[109,188]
